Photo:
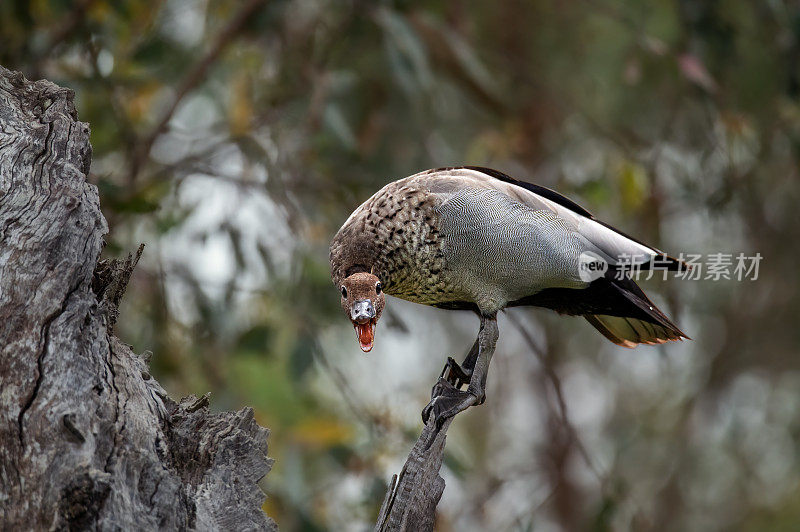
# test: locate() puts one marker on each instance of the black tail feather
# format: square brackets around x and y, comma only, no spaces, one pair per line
[617,307]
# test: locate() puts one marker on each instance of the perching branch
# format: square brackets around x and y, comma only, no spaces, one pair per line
[410,503]
[88,439]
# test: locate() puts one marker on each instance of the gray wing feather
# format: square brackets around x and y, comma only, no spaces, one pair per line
[500,250]
[596,237]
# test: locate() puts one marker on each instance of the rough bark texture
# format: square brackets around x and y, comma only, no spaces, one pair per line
[88,439]
[410,504]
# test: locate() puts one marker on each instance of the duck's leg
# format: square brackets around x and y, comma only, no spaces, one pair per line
[446,399]
[487,341]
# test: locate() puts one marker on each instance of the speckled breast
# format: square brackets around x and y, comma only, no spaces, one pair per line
[411,263]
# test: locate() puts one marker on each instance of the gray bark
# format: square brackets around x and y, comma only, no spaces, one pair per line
[410,502]
[88,439]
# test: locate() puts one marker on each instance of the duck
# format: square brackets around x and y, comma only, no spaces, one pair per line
[473,238]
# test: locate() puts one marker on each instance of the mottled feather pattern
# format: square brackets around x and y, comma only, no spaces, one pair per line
[397,240]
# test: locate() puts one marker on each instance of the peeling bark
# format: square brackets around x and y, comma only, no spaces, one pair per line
[88,439]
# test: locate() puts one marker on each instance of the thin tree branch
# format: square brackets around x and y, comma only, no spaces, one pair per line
[555,382]
[68,25]
[195,76]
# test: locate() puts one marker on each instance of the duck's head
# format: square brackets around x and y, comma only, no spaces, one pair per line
[363,301]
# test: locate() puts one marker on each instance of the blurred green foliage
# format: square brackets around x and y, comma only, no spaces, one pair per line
[233,138]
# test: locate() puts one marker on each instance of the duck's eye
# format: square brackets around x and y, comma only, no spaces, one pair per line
[378,287]
[344,292]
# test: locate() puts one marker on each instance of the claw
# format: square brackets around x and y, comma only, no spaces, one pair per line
[446,402]
[441,388]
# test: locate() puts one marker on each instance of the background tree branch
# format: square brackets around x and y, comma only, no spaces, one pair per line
[194,77]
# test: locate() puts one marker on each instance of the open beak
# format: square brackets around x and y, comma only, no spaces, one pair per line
[362,314]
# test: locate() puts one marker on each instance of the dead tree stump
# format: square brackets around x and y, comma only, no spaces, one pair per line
[88,439]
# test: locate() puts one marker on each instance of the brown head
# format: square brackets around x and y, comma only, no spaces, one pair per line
[363,301]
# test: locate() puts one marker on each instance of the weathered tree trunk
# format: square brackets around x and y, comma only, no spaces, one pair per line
[88,439]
